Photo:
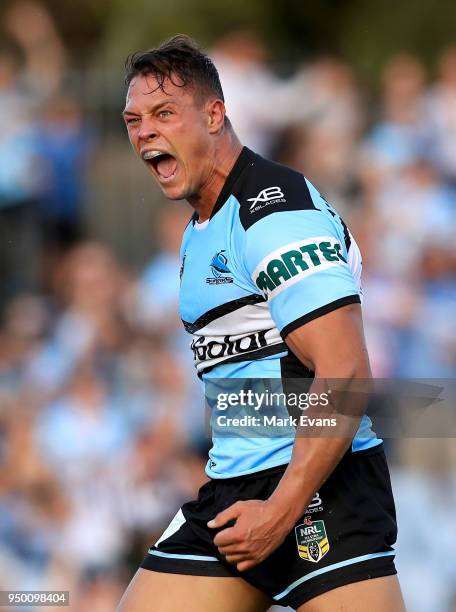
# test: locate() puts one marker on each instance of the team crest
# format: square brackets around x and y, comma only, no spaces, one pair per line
[312,540]
[220,270]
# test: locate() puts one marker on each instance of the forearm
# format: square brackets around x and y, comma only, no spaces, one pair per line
[312,462]
[318,450]
[333,347]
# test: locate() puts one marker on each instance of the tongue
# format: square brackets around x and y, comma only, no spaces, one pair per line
[167,166]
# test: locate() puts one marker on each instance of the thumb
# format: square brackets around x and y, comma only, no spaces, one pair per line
[223,517]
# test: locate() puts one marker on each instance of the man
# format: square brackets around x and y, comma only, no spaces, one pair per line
[269,289]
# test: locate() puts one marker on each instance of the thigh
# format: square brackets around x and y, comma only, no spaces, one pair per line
[376,595]
[159,592]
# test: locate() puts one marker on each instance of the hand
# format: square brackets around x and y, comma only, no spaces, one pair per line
[258,531]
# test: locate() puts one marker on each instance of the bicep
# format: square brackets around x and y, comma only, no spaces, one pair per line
[333,345]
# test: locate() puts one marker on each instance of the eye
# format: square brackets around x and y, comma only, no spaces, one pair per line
[164,114]
[132,120]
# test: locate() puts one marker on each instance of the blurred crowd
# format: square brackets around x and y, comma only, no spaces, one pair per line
[102,431]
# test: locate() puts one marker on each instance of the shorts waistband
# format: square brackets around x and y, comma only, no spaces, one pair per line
[272,471]
[278,469]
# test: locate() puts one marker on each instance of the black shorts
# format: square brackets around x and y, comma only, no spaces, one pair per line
[346,534]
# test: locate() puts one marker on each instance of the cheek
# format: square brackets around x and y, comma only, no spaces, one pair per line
[192,147]
[195,163]
[193,136]
[132,136]
[200,151]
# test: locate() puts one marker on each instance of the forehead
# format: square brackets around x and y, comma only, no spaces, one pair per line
[145,90]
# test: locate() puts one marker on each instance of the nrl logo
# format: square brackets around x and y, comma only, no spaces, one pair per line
[312,541]
[266,197]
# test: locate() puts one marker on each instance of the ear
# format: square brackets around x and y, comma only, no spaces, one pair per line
[215,110]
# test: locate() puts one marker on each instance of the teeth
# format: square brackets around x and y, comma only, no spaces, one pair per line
[151,154]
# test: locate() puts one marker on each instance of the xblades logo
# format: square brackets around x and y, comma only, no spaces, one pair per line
[266,197]
[316,504]
[219,268]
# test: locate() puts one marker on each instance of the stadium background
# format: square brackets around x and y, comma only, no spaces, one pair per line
[101,426]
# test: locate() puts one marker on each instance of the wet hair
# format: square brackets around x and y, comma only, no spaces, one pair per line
[181,61]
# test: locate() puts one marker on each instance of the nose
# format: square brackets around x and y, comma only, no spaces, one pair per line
[148,130]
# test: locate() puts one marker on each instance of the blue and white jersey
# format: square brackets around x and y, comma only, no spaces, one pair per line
[273,256]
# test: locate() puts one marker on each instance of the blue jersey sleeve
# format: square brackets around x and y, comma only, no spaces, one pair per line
[299,260]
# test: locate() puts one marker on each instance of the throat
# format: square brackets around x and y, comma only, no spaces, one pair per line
[206,199]
[203,207]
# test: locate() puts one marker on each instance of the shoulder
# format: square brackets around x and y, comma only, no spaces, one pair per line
[268,187]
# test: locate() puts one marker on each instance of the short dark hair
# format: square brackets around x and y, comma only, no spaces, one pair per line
[180,60]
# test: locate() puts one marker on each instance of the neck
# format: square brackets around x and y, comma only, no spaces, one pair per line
[226,153]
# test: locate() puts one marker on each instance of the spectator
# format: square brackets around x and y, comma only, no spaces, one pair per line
[402,133]
[442,115]
[64,145]
[31,26]
[241,59]
[19,184]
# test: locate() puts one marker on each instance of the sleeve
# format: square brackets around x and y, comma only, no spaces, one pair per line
[299,261]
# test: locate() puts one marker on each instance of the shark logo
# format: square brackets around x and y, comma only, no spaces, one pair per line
[219,264]
[220,270]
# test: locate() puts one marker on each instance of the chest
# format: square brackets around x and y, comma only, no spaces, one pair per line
[209,275]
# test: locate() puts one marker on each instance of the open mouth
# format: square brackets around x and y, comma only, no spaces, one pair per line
[164,164]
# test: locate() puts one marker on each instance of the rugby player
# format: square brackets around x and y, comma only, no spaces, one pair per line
[270,288]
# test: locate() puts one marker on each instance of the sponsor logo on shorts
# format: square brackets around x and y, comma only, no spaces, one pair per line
[312,540]
[266,197]
[316,505]
[292,262]
[220,270]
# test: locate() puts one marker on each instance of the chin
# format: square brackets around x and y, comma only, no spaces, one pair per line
[173,193]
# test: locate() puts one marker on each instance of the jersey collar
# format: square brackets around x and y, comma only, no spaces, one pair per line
[246,156]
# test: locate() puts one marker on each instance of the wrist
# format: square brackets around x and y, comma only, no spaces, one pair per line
[288,505]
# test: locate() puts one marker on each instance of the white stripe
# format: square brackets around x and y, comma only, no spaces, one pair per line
[201,226]
[248,319]
[355,264]
[329,568]
[159,553]
[175,524]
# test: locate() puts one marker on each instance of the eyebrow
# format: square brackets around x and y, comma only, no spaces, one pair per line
[152,110]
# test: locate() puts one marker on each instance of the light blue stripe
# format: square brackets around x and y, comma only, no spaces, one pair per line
[329,568]
[159,553]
